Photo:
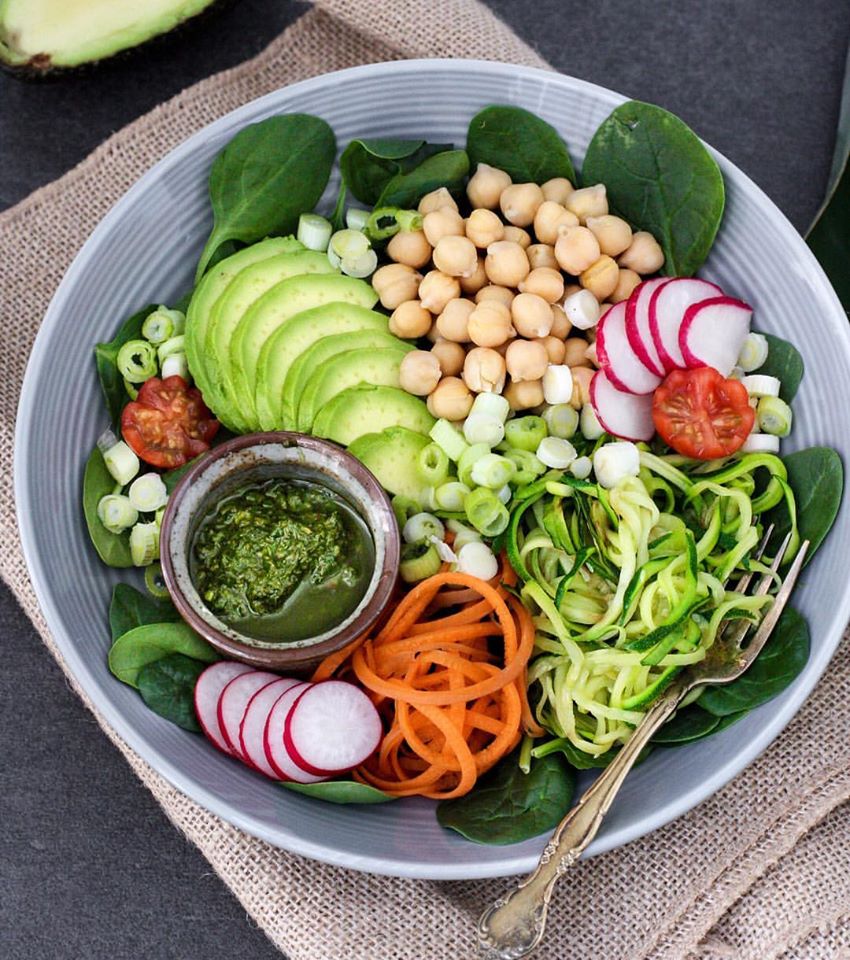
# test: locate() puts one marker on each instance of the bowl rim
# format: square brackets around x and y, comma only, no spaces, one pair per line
[173,774]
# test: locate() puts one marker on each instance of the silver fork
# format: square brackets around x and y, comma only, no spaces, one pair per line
[513,926]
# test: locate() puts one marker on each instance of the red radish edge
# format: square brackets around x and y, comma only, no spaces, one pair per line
[233,702]
[624,368]
[724,338]
[274,746]
[637,410]
[637,324]
[252,729]
[208,688]
[702,290]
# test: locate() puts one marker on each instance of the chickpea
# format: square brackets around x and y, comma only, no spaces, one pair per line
[601,278]
[490,324]
[532,315]
[410,247]
[486,185]
[576,250]
[574,348]
[506,263]
[613,233]
[517,235]
[590,354]
[436,289]
[526,360]
[494,292]
[626,283]
[549,217]
[588,202]
[524,394]
[410,320]
[519,203]
[444,222]
[581,386]
[396,283]
[419,372]
[436,200]
[644,254]
[541,255]
[472,284]
[453,323]
[484,371]
[450,399]
[554,348]
[450,356]
[483,227]
[456,256]
[557,190]
[433,334]
[561,325]
[545,282]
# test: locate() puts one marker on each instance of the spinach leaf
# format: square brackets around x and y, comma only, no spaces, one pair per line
[781,660]
[112,548]
[367,166]
[785,363]
[106,354]
[661,179]
[172,477]
[446,169]
[816,476]
[340,791]
[131,608]
[520,143]
[575,757]
[266,177]
[151,642]
[691,723]
[168,687]
[507,805]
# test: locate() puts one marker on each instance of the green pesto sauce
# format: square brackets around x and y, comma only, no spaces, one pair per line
[282,560]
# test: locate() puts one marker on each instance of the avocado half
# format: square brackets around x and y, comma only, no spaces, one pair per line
[40,36]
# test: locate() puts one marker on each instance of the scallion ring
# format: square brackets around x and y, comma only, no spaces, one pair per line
[154,581]
[418,561]
[136,361]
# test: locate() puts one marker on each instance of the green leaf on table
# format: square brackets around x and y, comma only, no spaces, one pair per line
[168,687]
[131,608]
[522,144]
[151,642]
[265,178]
[660,178]
[112,548]
[340,791]
[508,806]
[785,363]
[446,169]
[106,355]
[367,166]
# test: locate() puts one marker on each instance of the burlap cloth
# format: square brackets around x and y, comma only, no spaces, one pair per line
[759,871]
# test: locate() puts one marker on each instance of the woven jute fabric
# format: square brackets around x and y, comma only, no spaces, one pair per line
[758,872]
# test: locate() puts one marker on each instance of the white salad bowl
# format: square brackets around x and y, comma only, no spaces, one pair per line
[146,249]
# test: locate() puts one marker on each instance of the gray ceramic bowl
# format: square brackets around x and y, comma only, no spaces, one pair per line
[146,248]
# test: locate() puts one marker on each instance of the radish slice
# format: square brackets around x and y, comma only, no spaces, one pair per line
[667,307]
[208,689]
[332,727]
[637,324]
[252,742]
[624,367]
[281,763]
[621,414]
[233,703]
[713,333]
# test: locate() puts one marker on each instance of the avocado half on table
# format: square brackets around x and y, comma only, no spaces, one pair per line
[38,37]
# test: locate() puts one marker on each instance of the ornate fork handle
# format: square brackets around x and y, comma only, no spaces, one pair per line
[512,927]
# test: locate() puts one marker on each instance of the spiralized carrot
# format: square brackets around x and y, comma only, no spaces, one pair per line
[447,672]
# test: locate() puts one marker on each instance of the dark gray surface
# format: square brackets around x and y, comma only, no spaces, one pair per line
[90,866]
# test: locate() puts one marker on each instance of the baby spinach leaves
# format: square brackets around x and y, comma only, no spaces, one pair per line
[520,143]
[112,548]
[340,791]
[265,178]
[508,806]
[660,178]
[131,608]
[151,642]
[576,758]
[106,355]
[689,724]
[785,363]
[445,169]
[168,687]
[367,166]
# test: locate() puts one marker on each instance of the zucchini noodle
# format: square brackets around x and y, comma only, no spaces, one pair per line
[629,586]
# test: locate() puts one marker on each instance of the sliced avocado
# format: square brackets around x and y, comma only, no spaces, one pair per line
[367,409]
[289,342]
[37,36]
[391,456]
[378,367]
[211,288]
[271,311]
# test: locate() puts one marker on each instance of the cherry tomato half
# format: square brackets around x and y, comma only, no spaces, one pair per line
[702,415]
[168,423]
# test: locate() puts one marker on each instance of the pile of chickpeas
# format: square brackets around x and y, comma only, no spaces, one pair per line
[513,288]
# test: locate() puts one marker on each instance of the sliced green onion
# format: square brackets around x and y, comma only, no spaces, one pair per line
[468,459]
[613,462]
[504,494]
[450,496]
[753,353]
[408,220]
[525,433]
[136,361]
[774,416]
[556,452]
[348,244]
[158,516]
[562,420]
[176,366]
[526,463]
[477,560]
[356,219]
[761,385]
[418,561]
[106,441]
[581,468]
[761,443]
[404,508]
[155,582]
[557,383]
[486,513]
[171,346]
[314,231]
[479,428]
[447,555]
[116,513]
[386,222]
[463,534]
[450,440]
[162,324]
[360,267]
[148,493]
[144,543]
[433,464]
[421,526]
[121,462]
[491,405]
[492,471]
[132,390]
[591,428]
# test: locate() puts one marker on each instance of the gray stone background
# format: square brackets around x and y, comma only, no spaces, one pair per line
[89,865]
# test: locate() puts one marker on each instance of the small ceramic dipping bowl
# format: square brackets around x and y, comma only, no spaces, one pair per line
[256,458]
